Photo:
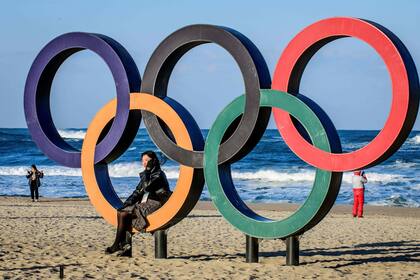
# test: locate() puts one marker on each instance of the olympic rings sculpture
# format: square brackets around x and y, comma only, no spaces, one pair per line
[237,129]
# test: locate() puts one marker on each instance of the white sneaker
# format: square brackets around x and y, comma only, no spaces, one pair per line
[36,200]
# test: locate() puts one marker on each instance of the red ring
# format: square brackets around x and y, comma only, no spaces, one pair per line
[321,33]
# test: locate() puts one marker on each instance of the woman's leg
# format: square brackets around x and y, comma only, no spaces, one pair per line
[36,193]
[355,202]
[124,225]
[126,235]
[32,192]
[361,202]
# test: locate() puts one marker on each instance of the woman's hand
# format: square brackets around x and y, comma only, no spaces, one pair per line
[150,164]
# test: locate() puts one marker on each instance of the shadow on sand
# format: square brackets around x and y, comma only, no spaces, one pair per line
[393,251]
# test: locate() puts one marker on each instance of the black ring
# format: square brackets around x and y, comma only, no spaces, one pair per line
[247,131]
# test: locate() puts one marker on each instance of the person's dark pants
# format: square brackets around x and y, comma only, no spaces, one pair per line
[34,192]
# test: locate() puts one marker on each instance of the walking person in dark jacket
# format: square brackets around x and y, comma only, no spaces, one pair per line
[150,194]
[34,181]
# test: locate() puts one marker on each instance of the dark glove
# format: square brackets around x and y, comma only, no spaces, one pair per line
[151,164]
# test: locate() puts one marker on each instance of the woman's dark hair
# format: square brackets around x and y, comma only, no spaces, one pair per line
[34,167]
[154,158]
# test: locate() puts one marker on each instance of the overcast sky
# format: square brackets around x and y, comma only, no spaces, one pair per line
[346,78]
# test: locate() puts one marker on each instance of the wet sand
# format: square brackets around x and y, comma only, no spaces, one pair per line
[35,238]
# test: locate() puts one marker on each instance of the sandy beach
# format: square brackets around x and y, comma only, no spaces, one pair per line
[35,238]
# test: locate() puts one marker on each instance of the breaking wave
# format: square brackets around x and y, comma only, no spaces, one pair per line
[131,169]
[72,134]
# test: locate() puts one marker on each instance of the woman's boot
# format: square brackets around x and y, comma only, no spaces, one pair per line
[124,224]
[126,248]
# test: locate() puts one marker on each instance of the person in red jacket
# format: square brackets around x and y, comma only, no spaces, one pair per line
[359,180]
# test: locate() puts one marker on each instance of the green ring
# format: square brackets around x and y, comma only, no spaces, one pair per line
[224,195]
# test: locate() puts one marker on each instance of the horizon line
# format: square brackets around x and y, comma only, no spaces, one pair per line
[339,129]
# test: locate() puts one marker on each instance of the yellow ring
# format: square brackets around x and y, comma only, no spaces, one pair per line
[155,105]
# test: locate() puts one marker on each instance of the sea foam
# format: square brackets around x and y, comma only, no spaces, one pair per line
[72,134]
[132,169]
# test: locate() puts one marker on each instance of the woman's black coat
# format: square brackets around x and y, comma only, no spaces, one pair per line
[155,183]
[37,180]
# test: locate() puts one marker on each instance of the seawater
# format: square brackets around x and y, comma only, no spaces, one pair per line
[270,173]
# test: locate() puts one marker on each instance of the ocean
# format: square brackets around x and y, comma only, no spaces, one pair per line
[270,173]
